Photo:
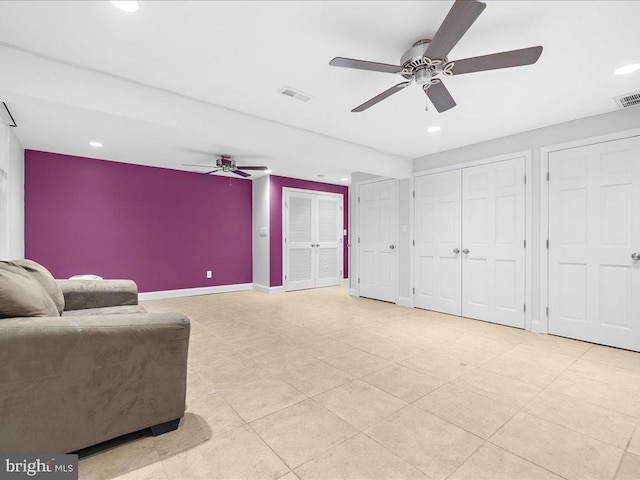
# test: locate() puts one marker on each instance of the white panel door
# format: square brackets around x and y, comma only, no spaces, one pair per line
[300,267]
[438,239]
[594,243]
[329,237]
[377,236]
[493,250]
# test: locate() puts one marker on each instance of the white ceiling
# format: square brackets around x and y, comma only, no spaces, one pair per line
[237,55]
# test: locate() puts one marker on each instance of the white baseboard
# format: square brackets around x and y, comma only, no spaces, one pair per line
[264,289]
[354,292]
[188,292]
[345,282]
[404,302]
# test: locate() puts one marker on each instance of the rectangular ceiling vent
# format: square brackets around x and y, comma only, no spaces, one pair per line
[628,100]
[293,93]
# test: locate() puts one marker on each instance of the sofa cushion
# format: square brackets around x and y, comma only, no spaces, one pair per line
[21,295]
[118,310]
[46,280]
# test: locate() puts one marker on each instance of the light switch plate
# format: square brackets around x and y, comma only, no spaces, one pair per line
[263,231]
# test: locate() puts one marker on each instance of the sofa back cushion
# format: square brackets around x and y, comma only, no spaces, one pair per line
[46,281]
[21,295]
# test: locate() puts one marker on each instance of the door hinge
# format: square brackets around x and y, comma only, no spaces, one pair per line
[547,311]
[358,199]
[414,194]
[414,290]
[285,277]
[547,244]
[285,240]
[525,179]
[548,176]
[358,279]
[525,307]
[340,272]
[414,243]
[358,239]
[525,244]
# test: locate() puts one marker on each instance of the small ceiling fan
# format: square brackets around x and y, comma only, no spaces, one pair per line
[226,164]
[427,59]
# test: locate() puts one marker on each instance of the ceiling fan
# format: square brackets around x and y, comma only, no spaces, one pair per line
[226,164]
[427,59]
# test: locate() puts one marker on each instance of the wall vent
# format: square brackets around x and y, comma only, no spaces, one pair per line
[293,93]
[628,100]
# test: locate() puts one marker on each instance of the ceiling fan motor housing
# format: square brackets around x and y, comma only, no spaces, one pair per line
[422,69]
[226,164]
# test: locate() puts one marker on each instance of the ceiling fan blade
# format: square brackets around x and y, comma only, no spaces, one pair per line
[194,165]
[461,16]
[440,97]
[241,173]
[378,98]
[251,168]
[513,58]
[364,65]
[212,171]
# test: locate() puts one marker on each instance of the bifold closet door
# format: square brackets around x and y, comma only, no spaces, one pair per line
[377,204]
[329,238]
[300,267]
[594,243]
[493,235]
[313,240]
[438,237]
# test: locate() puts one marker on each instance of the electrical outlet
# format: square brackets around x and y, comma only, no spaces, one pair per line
[209,274]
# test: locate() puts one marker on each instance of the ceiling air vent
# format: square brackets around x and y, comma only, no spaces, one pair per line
[628,100]
[297,94]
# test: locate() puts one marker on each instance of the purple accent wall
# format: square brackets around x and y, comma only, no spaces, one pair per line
[276,184]
[161,228]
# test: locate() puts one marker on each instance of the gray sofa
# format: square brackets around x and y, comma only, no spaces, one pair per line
[81,362]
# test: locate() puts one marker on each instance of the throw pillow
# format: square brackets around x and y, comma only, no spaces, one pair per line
[21,295]
[46,280]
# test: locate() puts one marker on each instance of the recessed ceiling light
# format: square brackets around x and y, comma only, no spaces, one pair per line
[95,144]
[344,179]
[433,129]
[625,69]
[126,6]
[320,175]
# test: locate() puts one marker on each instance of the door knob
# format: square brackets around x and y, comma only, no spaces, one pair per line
[635,256]
[465,251]
[392,247]
[456,251]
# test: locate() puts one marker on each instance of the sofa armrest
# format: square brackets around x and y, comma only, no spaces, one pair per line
[70,382]
[81,294]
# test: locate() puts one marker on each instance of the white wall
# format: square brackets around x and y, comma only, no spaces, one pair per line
[260,212]
[11,194]
[534,140]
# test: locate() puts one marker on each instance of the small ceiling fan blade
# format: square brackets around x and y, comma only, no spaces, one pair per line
[251,168]
[461,16]
[212,171]
[364,65]
[440,97]
[378,98]
[513,58]
[241,173]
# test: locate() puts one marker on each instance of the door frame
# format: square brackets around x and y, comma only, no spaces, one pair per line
[528,281]
[355,258]
[541,325]
[284,227]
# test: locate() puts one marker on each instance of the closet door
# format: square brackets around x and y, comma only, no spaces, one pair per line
[377,238]
[328,244]
[594,243]
[438,239]
[493,250]
[300,265]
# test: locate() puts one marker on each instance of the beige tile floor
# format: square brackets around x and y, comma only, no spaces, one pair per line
[320,385]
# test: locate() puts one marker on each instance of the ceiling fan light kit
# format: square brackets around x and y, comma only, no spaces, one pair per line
[427,59]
